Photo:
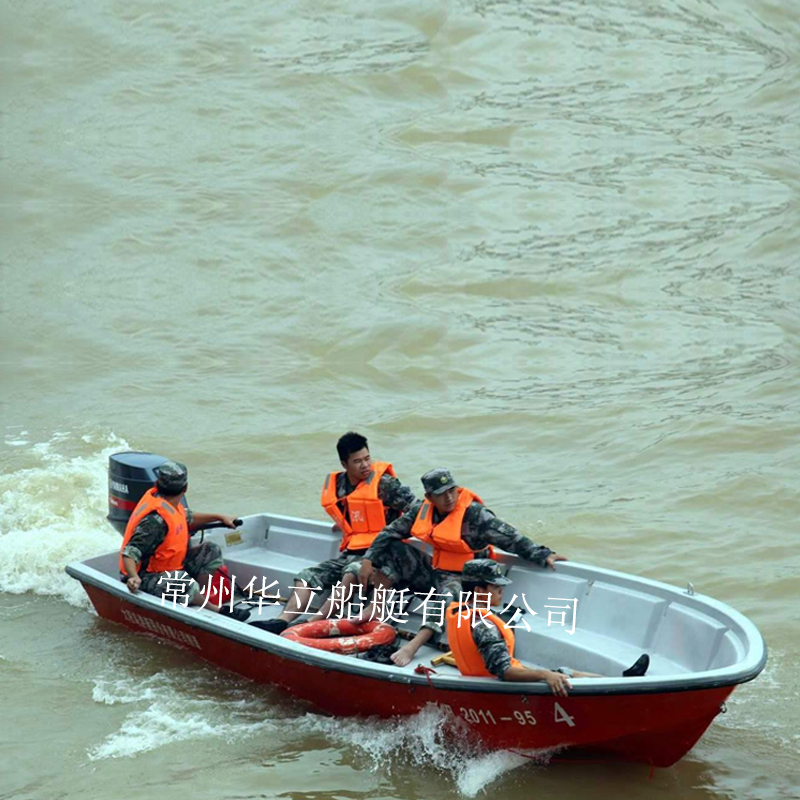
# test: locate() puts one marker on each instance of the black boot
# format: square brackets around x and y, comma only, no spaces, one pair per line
[276,626]
[638,668]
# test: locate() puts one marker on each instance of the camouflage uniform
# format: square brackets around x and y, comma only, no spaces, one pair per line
[395,498]
[493,648]
[149,534]
[494,651]
[488,638]
[480,529]
[409,567]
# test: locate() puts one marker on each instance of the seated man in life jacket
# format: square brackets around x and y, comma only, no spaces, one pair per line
[456,523]
[361,500]
[155,546]
[483,646]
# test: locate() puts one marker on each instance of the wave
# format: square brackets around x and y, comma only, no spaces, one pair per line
[52,512]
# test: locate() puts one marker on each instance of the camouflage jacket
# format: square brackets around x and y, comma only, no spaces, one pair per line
[394,495]
[492,647]
[147,537]
[479,529]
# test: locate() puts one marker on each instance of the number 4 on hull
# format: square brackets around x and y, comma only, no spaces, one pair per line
[562,716]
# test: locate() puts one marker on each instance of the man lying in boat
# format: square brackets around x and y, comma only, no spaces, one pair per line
[360,500]
[483,646]
[155,546]
[456,523]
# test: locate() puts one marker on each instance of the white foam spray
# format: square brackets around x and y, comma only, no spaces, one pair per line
[432,739]
[52,512]
[179,709]
[169,708]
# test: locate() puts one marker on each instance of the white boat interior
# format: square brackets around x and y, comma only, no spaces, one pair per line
[693,640]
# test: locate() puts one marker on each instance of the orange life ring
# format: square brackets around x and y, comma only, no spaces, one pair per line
[347,636]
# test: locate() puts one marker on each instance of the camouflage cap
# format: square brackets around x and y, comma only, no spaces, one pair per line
[172,477]
[484,570]
[437,481]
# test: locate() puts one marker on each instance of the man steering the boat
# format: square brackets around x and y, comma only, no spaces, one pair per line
[459,527]
[155,549]
[483,645]
[361,500]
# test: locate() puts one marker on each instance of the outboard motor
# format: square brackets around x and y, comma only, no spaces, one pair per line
[130,475]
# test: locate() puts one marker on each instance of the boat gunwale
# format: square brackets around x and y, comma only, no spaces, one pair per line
[742,672]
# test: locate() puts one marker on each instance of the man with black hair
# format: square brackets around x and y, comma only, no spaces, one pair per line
[483,645]
[361,500]
[155,546]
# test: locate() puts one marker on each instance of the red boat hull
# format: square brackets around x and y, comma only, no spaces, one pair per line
[655,728]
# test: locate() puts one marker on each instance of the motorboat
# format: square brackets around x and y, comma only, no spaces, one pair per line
[586,617]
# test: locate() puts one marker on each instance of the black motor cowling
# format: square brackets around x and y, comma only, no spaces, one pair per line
[130,475]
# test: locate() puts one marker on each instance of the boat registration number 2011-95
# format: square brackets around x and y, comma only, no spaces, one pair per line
[478,716]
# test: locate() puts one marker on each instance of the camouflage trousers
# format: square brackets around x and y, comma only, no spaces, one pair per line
[329,573]
[205,558]
[411,568]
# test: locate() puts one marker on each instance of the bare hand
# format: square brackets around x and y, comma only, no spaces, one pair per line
[365,573]
[550,561]
[227,521]
[133,583]
[558,683]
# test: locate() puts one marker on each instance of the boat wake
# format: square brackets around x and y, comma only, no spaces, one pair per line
[179,708]
[52,505]
[433,739]
[167,708]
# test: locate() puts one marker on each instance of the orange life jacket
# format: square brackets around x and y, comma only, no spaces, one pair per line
[459,638]
[366,516]
[450,551]
[170,554]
